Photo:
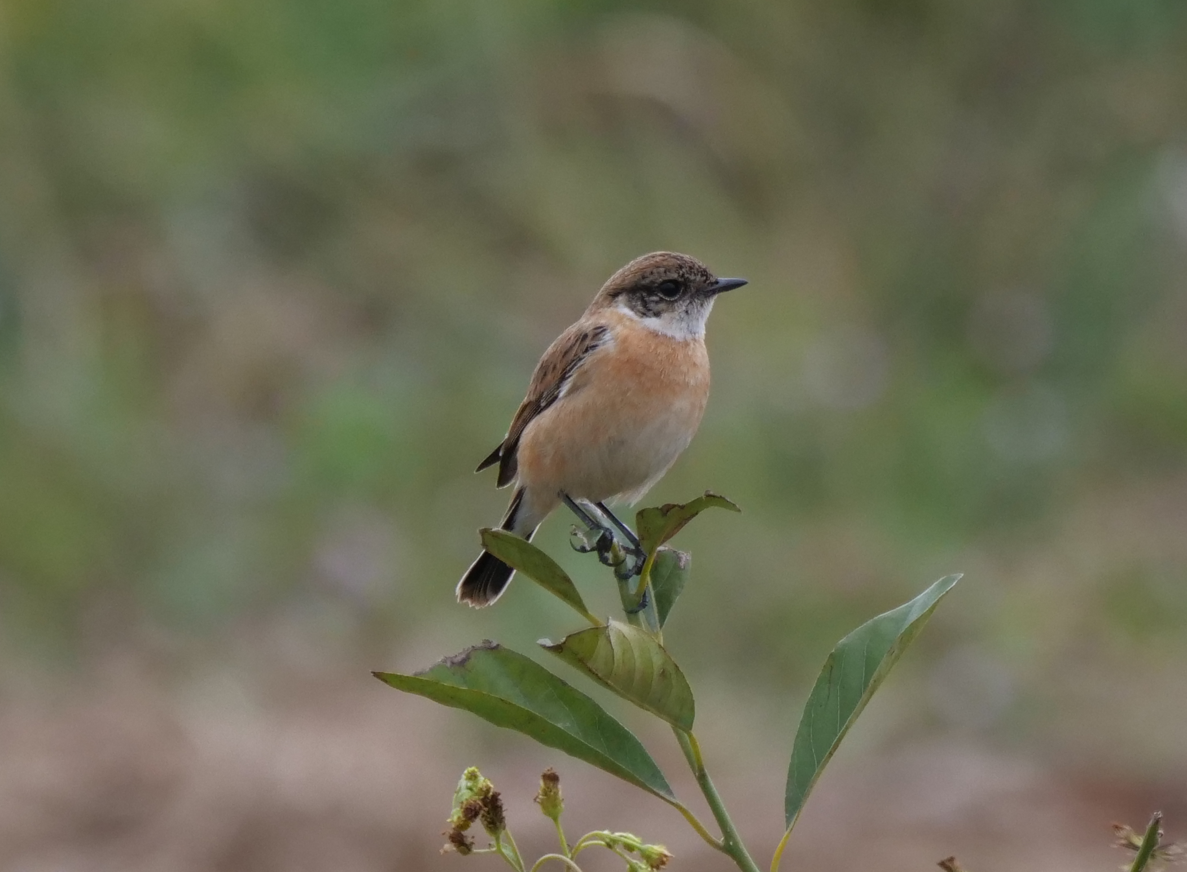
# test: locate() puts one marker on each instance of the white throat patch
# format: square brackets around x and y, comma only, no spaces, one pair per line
[687,323]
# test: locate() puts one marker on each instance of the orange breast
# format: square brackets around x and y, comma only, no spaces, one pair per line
[625,417]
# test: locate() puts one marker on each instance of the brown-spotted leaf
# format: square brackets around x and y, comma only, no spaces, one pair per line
[633,664]
[658,524]
[513,691]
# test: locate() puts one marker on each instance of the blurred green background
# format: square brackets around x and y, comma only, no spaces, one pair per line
[273,277]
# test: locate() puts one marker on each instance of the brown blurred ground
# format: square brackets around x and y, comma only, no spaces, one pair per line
[273,757]
[129,776]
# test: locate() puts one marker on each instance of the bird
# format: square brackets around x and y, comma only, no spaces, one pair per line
[612,403]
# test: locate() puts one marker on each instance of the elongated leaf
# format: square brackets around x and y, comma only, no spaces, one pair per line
[525,557]
[851,674]
[512,691]
[634,665]
[657,525]
[668,575]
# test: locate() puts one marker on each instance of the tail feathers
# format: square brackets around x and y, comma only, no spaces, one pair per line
[488,576]
[484,581]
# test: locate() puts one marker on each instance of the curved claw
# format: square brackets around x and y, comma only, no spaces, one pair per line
[608,554]
[643,602]
[578,542]
[627,570]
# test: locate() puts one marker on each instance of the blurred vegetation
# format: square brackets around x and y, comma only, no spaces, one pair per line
[273,277]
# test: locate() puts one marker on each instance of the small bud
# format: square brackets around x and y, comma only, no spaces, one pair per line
[460,842]
[616,840]
[470,812]
[1126,837]
[493,820]
[476,799]
[655,856]
[1165,852]
[549,797]
[470,799]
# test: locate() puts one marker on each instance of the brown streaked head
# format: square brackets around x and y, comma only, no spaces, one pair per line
[673,290]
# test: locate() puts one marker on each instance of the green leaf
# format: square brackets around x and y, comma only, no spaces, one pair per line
[657,525]
[634,665]
[668,575]
[523,556]
[1149,843]
[851,674]
[512,691]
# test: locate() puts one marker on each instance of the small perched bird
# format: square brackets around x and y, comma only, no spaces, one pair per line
[612,403]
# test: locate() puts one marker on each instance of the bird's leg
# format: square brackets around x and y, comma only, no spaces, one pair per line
[605,536]
[613,519]
[638,558]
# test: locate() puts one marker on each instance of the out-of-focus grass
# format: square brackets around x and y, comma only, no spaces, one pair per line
[273,277]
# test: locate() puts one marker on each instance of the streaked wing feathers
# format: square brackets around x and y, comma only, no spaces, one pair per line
[553,373]
[491,459]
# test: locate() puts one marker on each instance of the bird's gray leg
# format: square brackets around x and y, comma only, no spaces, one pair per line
[605,537]
[638,558]
[626,531]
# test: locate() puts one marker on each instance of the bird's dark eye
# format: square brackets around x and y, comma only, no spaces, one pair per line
[669,289]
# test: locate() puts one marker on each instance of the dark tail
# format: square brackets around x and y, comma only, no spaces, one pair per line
[487,577]
[484,581]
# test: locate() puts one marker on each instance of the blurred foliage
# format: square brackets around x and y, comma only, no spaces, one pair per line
[273,276]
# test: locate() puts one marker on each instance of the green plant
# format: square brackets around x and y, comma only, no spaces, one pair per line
[1149,850]
[477,800]
[513,691]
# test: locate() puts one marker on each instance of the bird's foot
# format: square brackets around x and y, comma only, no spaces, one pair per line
[631,564]
[644,601]
[579,540]
[626,560]
[609,551]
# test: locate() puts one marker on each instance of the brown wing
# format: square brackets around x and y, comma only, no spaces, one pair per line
[553,372]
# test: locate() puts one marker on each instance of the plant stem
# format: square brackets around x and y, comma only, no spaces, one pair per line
[569,864]
[778,857]
[515,859]
[1149,843]
[695,823]
[648,616]
[731,842]
[560,834]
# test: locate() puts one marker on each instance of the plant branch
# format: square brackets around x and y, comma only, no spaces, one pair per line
[1149,843]
[731,843]
[778,856]
[695,823]
[596,839]
[514,859]
[646,617]
[560,834]
[569,864]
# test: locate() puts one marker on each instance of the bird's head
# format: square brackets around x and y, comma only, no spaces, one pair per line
[670,293]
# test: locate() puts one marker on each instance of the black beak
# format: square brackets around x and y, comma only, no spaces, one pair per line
[724,285]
